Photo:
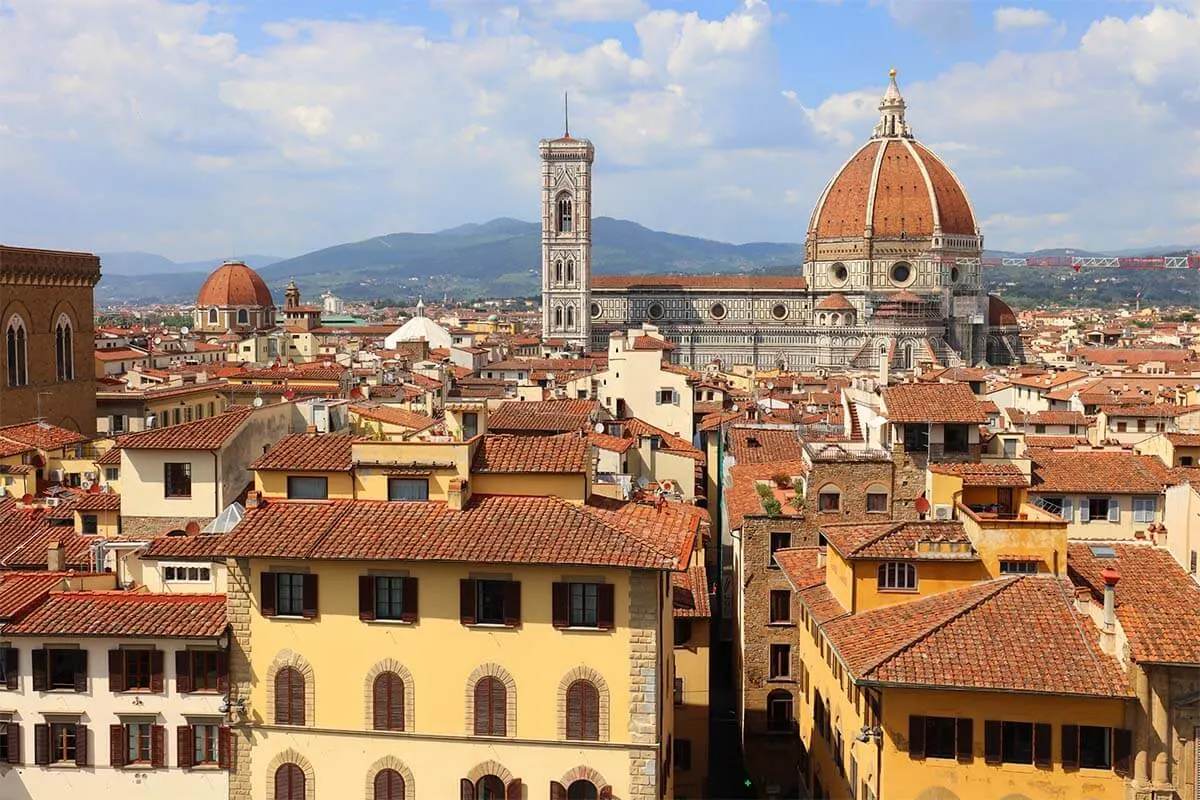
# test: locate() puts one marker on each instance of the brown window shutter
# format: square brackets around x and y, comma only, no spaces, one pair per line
[12,732]
[266,601]
[396,691]
[466,789]
[1041,743]
[993,736]
[12,668]
[156,671]
[606,793]
[41,744]
[513,790]
[366,597]
[964,730]
[605,606]
[81,663]
[512,603]
[560,604]
[222,671]
[916,736]
[283,679]
[1122,750]
[1070,746]
[117,747]
[41,674]
[379,703]
[158,746]
[116,671]
[185,745]
[409,611]
[225,747]
[183,671]
[557,790]
[309,610]
[81,746]
[296,708]
[466,605]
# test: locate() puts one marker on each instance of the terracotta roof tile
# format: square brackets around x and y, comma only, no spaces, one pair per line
[210,433]
[202,547]
[671,443]
[566,452]
[545,416]
[982,474]
[98,501]
[40,435]
[741,496]
[393,415]
[932,402]
[899,540]
[802,566]
[126,615]
[309,452]
[21,590]
[651,343]
[1054,441]
[1117,472]
[614,444]
[1012,634]
[762,445]
[834,302]
[690,593]
[1157,603]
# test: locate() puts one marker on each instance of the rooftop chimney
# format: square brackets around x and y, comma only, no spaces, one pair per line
[1108,634]
[458,494]
[253,498]
[55,557]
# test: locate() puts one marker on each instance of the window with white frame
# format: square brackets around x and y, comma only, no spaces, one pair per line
[897,575]
[186,573]
[1144,508]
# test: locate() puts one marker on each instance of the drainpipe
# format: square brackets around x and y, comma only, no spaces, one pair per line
[216,485]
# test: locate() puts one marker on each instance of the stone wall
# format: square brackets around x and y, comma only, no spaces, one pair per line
[241,677]
[142,527]
[644,605]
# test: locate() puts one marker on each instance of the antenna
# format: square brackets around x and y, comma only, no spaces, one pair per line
[566,117]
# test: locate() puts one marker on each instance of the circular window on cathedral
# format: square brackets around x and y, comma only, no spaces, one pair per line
[717,311]
[838,273]
[955,275]
[655,311]
[902,273]
[779,311]
[595,310]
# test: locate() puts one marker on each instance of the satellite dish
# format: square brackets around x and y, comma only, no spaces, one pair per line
[85,485]
[770,386]
[158,340]
[258,402]
[599,427]
[184,330]
[734,408]
[642,482]
[192,528]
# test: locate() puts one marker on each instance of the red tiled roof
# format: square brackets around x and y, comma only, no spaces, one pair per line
[1157,603]
[1112,471]
[614,444]
[210,433]
[834,302]
[111,458]
[1184,439]
[26,534]
[742,496]
[1054,441]
[690,593]
[126,615]
[764,445]
[203,547]
[1020,416]
[802,566]
[897,540]
[10,448]
[983,474]
[394,415]
[545,416]
[98,501]
[670,443]
[567,452]
[20,590]
[932,402]
[309,452]
[1012,634]
[490,529]
[750,283]
[651,343]
[40,435]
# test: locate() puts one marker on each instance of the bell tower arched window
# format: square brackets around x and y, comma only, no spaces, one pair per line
[64,349]
[558,271]
[17,351]
[558,317]
[570,317]
[570,270]
[565,213]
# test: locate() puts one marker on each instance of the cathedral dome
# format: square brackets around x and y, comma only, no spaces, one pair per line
[1000,313]
[234,284]
[893,188]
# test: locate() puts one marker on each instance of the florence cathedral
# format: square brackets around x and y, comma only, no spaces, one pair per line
[891,272]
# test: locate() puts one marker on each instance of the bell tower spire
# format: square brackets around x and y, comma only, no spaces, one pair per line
[891,123]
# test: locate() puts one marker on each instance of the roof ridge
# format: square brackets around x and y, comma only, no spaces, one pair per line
[887,532]
[1076,619]
[1001,585]
[584,510]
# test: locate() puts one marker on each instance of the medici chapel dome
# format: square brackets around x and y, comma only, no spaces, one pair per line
[234,298]
[893,188]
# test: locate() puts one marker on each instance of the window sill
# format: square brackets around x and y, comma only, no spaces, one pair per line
[585,629]
[378,621]
[62,765]
[781,624]
[213,767]
[140,766]
[492,626]
[781,679]
[138,691]
[291,618]
[896,591]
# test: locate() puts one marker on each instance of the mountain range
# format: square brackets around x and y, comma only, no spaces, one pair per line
[499,258]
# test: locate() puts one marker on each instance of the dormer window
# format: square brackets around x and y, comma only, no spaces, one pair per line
[897,576]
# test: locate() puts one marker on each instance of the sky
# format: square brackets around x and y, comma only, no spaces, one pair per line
[207,129]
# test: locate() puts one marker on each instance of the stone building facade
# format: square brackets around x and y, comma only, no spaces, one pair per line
[891,272]
[47,331]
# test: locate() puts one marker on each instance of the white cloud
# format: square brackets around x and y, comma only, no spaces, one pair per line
[1010,18]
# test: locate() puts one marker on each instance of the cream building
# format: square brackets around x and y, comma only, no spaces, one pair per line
[636,383]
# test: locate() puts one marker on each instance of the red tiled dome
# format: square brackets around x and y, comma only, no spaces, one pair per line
[834,302]
[999,312]
[234,284]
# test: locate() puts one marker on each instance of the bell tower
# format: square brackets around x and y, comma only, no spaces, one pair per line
[567,237]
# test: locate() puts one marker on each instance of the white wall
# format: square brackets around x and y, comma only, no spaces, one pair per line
[142,486]
[98,709]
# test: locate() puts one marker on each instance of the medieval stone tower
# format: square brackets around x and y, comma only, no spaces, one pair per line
[566,238]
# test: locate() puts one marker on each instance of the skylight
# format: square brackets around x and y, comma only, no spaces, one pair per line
[1103,550]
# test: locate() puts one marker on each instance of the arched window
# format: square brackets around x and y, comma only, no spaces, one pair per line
[212,316]
[583,711]
[289,782]
[906,355]
[779,710]
[289,697]
[389,785]
[558,271]
[387,702]
[17,349]
[829,498]
[64,352]
[897,575]
[243,317]
[565,214]
[583,790]
[558,317]
[835,320]
[489,787]
[570,316]
[570,270]
[491,707]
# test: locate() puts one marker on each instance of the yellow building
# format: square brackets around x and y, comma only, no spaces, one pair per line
[948,660]
[693,618]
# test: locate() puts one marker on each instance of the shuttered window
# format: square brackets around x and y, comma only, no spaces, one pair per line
[289,697]
[583,711]
[388,702]
[289,783]
[389,785]
[491,707]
